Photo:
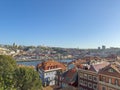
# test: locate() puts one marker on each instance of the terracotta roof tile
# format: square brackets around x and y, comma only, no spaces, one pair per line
[51,64]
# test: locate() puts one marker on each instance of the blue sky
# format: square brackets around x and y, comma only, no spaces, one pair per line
[62,23]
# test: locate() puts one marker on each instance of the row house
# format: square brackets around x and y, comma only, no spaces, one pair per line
[87,80]
[69,79]
[109,77]
[88,76]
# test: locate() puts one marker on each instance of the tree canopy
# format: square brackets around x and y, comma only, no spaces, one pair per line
[7,67]
[13,77]
[26,78]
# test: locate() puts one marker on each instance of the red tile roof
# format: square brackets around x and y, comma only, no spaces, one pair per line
[91,58]
[51,64]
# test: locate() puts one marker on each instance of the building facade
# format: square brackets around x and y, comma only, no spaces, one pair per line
[109,77]
[48,71]
[87,80]
[88,76]
[68,80]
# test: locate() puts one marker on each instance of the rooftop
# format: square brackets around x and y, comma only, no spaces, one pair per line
[51,65]
[97,67]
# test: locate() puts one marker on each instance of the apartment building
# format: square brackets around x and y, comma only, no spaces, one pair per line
[88,76]
[109,77]
[48,71]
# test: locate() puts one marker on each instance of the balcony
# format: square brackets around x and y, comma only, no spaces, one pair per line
[110,85]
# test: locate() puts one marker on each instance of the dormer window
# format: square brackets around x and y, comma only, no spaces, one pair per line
[48,67]
[110,70]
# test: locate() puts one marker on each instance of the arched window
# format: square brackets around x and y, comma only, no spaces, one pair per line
[116,82]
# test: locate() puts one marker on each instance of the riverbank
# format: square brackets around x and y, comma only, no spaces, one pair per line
[35,62]
[28,60]
[31,60]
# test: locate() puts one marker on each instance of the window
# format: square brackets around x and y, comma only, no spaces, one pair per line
[116,82]
[85,83]
[95,78]
[81,75]
[95,86]
[103,88]
[103,78]
[89,77]
[111,70]
[85,76]
[81,82]
[45,74]
[50,78]
[110,80]
[46,79]
[89,85]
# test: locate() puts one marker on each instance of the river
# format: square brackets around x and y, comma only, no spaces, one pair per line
[34,63]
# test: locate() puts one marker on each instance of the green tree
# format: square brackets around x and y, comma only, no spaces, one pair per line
[7,67]
[13,77]
[27,78]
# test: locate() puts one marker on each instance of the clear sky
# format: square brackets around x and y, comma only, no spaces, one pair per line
[62,23]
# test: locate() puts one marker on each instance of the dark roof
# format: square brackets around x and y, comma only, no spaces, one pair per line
[70,77]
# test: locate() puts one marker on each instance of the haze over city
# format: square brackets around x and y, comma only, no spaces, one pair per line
[60,23]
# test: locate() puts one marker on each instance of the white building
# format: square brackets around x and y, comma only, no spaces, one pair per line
[48,71]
